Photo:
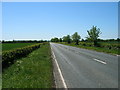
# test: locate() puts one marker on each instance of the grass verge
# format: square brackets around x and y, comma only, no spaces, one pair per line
[33,71]
[99,49]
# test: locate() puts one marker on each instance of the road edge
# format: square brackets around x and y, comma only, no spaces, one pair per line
[92,50]
[59,71]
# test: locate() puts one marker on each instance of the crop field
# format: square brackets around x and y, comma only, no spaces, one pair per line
[11,46]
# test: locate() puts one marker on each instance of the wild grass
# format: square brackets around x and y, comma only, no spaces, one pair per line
[0,48]
[33,71]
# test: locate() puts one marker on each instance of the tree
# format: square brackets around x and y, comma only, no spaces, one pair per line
[76,38]
[118,39]
[60,39]
[55,40]
[82,40]
[67,39]
[93,34]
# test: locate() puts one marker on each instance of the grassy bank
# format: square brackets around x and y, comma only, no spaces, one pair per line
[99,49]
[33,71]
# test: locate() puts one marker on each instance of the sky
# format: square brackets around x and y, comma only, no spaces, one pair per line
[60,0]
[45,20]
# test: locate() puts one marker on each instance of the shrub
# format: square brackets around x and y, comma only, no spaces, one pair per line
[115,46]
[8,57]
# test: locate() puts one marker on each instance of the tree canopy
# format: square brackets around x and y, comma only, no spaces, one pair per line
[55,40]
[93,34]
[67,39]
[76,38]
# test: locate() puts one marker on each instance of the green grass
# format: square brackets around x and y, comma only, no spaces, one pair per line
[0,66]
[33,71]
[0,81]
[99,49]
[110,42]
[11,46]
[0,49]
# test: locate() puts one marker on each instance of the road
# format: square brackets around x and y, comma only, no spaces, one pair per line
[82,68]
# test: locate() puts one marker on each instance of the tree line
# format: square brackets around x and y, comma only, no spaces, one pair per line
[93,36]
[74,38]
[25,41]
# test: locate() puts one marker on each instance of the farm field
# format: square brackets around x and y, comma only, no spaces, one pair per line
[107,47]
[33,71]
[11,46]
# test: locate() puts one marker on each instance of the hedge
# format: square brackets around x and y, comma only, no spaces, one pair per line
[102,45]
[110,46]
[8,57]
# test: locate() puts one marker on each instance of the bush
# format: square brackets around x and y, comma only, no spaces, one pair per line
[110,46]
[86,43]
[8,57]
[102,45]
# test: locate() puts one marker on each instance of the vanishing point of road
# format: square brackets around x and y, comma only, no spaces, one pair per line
[83,68]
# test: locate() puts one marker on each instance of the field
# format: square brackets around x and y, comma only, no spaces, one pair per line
[32,71]
[107,47]
[11,46]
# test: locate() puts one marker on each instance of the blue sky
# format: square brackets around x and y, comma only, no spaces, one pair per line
[45,20]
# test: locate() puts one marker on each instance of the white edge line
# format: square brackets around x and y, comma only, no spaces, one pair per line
[100,61]
[63,81]
[118,55]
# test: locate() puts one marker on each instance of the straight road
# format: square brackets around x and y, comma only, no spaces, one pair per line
[83,68]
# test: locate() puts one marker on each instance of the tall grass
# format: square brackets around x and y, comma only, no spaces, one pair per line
[33,71]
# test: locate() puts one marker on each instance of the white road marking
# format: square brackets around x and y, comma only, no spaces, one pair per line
[100,61]
[63,81]
[118,55]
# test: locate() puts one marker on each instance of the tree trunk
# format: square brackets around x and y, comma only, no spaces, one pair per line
[77,42]
[95,43]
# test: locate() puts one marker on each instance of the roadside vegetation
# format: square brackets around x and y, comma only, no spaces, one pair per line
[10,45]
[9,57]
[0,66]
[92,41]
[0,48]
[34,70]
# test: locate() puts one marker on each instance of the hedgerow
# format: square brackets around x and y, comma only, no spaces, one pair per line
[102,45]
[110,46]
[8,57]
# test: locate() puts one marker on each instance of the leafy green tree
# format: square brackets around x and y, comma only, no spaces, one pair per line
[67,39]
[60,39]
[82,40]
[55,40]
[93,35]
[76,38]
[118,39]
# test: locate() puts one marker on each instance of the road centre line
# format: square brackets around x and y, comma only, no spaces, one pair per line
[100,61]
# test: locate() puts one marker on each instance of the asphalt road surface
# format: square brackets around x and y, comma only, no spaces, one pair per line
[83,68]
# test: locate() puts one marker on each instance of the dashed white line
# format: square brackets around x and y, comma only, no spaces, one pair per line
[100,61]
[63,81]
